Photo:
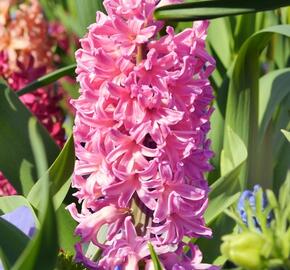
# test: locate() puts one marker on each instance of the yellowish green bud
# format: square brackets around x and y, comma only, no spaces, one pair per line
[244,249]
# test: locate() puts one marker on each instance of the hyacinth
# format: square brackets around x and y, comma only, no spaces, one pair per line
[250,197]
[140,137]
[26,53]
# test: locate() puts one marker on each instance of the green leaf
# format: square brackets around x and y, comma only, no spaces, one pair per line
[236,153]
[245,27]
[286,134]
[48,79]
[224,192]
[59,175]
[66,227]
[273,88]
[221,50]
[87,12]
[284,193]
[282,168]
[12,242]
[273,91]
[210,9]
[4,260]
[17,161]
[42,250]
[154,257]
[243,100]
[222,45]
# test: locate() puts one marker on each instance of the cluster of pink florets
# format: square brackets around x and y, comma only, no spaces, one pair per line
[140,136]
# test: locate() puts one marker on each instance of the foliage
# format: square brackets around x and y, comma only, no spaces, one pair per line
[252,91]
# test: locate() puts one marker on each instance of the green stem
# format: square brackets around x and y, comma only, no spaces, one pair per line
[140,215]
[139,56]
[48,79]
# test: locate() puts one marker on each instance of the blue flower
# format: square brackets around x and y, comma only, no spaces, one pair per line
[250,196]
[23,219]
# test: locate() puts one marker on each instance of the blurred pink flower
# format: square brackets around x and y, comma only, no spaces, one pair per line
[26,53]
[191,260]
[90,224]
[6,189]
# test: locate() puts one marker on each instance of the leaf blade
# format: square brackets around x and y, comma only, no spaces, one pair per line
[154,257]
[17,161]
[48,79]
[59,174]
[211,9]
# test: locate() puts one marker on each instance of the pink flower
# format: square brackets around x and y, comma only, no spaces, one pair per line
[127,249]
[59,33]
[3,62]
[141,133]
[91,224]
[179,261]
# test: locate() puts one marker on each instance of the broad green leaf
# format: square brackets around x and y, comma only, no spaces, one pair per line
[286,134]
[87,12]
[243,100]
[42,250]
[210,9]
[273,91]
[48,79]
[154,257]
[37,147]
[245,27]
[221,45]
[12,241]
[282,168]
[236,153]
[224,192]
[221,50]
[66,227]
[4,261]
[59,175]
[17,161]
[222,201]
[281,147]
[273,88]
[216,133]
[216,136]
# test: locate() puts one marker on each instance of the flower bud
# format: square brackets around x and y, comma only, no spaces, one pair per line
[244,249]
